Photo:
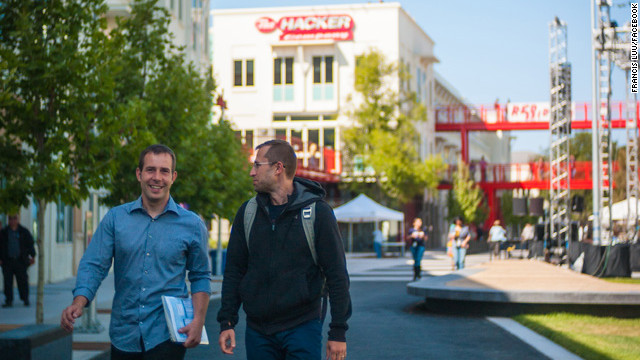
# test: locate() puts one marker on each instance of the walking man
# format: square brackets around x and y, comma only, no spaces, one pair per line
[152,243]
[16,254]
[277,275]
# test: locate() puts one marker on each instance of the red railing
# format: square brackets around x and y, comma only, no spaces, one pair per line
[532,175]
[521,117]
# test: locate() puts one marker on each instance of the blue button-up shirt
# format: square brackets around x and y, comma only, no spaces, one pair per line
[150,259]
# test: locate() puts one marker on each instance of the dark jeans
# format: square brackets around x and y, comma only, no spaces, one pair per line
[165,350]
[417,252]
[11,268]
[303,342]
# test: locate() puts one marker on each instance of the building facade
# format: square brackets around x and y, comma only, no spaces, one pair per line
[289,72]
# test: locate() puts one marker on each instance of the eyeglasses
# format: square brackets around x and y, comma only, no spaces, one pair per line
[258,164]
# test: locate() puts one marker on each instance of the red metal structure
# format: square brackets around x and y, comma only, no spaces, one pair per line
[534,175]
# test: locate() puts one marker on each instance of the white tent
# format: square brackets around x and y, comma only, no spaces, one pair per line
[363,209]
[620,210]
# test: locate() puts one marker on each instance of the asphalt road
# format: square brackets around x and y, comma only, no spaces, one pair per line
[387,323]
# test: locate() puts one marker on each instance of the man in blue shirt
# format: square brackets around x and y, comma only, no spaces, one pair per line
[152,242]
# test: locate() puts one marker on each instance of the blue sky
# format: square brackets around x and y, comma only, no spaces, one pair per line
[498,48]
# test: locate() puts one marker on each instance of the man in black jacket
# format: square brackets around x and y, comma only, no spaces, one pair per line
[273,274]
[16,254]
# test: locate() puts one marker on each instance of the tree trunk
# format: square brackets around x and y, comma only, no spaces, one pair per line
[41,250]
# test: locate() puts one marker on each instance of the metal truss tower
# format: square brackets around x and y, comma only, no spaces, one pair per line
[560,126]
[610,47]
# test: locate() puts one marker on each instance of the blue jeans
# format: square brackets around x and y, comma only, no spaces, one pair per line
[417,252]
[300,343]
[458,256]
[378,248]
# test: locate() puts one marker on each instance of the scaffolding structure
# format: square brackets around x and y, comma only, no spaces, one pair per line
[560,128]
[611,46]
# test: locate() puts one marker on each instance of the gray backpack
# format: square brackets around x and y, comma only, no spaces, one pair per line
[308,219]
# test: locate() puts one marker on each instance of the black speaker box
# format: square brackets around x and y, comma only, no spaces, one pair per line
[536,206]
[519,206]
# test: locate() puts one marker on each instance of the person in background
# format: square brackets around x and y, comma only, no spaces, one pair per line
[497,236]
[460,237]
[152,243]
[378,239]
[527,236]
[17,253]
[417,236]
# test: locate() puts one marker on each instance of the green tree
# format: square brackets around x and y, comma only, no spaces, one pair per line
[466,199]
[171,104]
[385,132]
[57,131]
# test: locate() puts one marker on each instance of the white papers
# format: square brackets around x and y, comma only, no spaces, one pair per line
[179,313]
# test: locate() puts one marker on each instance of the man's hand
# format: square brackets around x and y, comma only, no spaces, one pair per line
[72,312]
[336,350]
[194,334]
[227,341]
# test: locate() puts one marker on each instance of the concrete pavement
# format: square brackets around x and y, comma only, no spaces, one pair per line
[362,268]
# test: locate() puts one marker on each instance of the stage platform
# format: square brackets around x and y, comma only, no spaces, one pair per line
[507,287]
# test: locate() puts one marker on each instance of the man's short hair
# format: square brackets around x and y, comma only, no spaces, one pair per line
[157,149]
[282,151]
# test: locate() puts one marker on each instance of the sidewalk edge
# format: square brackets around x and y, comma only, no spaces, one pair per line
[535,340]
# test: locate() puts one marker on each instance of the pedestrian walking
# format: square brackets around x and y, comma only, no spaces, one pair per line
[526,237]
[17,253]
[378,238]
[152,243]
[497,237]
[417,236]
[279,277]
[460,237]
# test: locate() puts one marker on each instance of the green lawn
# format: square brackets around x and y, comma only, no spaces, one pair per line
[624,280]
[589,337]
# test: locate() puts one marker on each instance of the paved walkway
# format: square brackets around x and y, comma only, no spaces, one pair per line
[362,267]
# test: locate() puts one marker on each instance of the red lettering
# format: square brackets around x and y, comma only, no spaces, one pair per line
[265,24]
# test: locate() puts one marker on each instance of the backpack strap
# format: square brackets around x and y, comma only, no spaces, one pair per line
[308,219]
[249,215]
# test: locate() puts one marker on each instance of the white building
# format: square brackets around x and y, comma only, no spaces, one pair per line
[67,228]
[288,72]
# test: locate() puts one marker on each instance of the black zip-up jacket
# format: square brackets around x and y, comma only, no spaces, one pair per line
[276,280]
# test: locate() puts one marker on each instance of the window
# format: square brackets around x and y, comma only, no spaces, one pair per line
[323,78]
[330,138]
[243,72]
[283,79]
[64,223]
[180,9]
[248,139]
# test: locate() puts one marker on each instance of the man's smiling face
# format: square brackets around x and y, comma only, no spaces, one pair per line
[156,177]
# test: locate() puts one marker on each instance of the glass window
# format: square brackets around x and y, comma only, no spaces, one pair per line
[328,74]
[280,118]
[330,138]
[304,118]
[317,69]
[249,73]
[313,136]
[248,138]
[277,71]
[281,134]
[288,64]
[296,140]
[329,117]
[237,72]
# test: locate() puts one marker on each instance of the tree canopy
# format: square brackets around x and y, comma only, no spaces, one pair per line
[385,132]
[78,104]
